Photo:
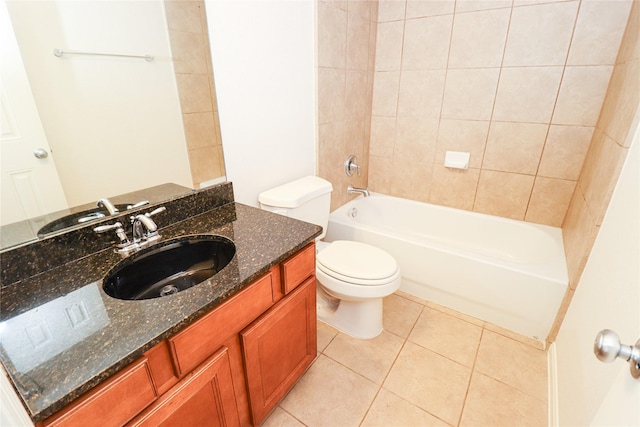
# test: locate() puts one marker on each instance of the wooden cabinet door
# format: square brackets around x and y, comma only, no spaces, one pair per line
[279,347]
[204,398]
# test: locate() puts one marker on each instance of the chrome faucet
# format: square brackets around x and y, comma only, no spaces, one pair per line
[144,228]
[364,191]
[106,203]
[144,231]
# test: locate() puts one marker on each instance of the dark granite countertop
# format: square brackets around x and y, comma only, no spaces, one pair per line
[61,335]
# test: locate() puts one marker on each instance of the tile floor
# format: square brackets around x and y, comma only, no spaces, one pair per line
[430,367]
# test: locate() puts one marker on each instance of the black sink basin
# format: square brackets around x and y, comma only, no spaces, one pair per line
[170,267]
[83,217]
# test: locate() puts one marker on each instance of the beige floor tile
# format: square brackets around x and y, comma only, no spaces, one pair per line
[330,394]
[280,418]
[430,381]
[411,297]
[492,403]
[370,358]
[447,335]
[465,317]
[513,363]
[400,314]
[325,334]
[391,410]
[516,336]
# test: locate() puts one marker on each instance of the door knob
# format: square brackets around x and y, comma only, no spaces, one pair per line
[40,153]
[607,348]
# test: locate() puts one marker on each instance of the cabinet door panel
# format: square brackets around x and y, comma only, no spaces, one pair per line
[204,398]
[279,347]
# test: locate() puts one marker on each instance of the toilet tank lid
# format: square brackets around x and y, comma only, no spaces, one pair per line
[295,193]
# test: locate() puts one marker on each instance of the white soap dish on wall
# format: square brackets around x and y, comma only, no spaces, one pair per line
[457,159]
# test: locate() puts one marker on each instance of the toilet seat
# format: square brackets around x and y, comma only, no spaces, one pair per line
[357,263]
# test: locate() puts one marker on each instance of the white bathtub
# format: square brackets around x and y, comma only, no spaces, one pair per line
[509,273]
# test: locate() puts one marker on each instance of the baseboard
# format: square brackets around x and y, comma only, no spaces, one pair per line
[552,377]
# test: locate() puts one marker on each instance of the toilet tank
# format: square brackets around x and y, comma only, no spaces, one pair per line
[307,199]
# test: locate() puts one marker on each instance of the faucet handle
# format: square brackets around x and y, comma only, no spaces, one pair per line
[350,165]
[137,205]
[156,211]
[124,240]
[108,227]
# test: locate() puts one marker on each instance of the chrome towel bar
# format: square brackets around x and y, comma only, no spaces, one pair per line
[60,52]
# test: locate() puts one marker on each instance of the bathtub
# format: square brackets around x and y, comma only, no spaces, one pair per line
[506,272]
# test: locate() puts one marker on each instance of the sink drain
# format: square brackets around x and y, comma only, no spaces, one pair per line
[168,290]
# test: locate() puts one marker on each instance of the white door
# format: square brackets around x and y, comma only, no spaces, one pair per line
[590,392]
[29,186]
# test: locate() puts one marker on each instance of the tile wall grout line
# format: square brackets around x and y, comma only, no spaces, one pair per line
[493,107]
[444,87]
[553,110]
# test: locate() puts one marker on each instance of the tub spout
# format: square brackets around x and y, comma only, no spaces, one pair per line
[351,189]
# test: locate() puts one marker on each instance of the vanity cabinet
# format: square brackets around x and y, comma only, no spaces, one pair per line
[228,368]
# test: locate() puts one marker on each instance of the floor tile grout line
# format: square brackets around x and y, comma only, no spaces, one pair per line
[483,324]
[473,369]
[395,359]
[480,372]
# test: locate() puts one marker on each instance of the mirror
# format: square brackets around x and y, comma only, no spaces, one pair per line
[110,125]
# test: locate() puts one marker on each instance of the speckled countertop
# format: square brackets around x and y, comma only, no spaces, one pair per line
[61,335]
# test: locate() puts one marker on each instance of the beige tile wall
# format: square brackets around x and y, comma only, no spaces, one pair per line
[194,75]
[613,133]
[519,85]
[346,46]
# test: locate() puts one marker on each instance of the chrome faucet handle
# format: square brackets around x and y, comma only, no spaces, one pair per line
[122,236]
[137,205]
[351,165]
[156,211]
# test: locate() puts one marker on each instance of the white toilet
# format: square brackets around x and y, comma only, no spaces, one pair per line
[352,277]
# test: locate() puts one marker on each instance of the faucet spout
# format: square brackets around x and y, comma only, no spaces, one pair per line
[364,191]
[106,203]
[149,225]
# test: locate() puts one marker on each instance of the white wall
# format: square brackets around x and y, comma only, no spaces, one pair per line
[263,62]
[591,392]
[12,413]
[114,124]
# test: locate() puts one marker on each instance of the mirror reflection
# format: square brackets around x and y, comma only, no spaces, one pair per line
[79,128]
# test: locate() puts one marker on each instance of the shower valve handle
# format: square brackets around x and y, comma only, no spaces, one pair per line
[351,165]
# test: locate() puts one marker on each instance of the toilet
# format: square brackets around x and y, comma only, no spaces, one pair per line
[352,277]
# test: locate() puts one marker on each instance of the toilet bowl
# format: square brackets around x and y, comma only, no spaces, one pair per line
[352,279]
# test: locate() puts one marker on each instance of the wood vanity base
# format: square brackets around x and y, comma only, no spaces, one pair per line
[229,368]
